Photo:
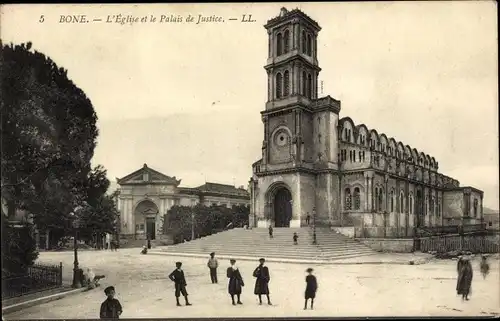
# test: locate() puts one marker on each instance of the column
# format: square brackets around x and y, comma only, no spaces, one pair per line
[47,239]
[131,218]
[269,86]
[296,36]
[372,201]
[367,195]
[271,44]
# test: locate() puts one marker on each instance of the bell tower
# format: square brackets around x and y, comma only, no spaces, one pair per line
[297,172]
[292,64]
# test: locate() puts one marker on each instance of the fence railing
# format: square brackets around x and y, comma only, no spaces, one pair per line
[469,243]
[37,278]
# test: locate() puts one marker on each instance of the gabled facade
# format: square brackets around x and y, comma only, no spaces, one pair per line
[146,195]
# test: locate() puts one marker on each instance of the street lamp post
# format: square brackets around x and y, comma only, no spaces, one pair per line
[192,225]
[76,225]
[314,226]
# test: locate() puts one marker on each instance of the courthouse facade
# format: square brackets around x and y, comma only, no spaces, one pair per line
[146,195]
[341,173]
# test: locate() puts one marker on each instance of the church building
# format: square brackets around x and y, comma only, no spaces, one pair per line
[146,195]
[339,172]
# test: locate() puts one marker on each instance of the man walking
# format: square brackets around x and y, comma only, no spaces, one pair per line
[213,264]
[270,231]
[308,218]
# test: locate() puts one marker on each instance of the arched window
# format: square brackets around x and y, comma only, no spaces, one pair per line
[304,40]
[309,45]
[279,44]
[348,200]
[439,207]
[426,205]
[392,201]
[286,41]
[410,204]
[401,202]
[476,205]
[279,85]
[375,199]
[286,83]
[380,199]
[309,86]
[357,199]
[304,83]
[432,206]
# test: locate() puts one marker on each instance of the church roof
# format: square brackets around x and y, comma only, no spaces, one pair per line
[153,177]
[287,15]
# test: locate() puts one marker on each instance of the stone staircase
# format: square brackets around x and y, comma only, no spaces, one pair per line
[256,243]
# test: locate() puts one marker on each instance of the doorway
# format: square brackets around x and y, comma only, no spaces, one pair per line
[151,228]
[282,208]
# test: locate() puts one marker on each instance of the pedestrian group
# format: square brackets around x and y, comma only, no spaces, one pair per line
[112,309]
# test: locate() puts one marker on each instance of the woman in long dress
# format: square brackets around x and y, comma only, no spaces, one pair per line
[464,280]
[235,282]
[261,273]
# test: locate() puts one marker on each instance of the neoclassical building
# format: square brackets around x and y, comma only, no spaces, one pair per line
[340,172]
[146,195]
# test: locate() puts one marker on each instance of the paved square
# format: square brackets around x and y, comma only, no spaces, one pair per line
[344,290]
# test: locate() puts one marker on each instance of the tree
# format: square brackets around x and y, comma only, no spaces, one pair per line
[48,136]
[18,247]
[241,215]
[207,220]
[178,222]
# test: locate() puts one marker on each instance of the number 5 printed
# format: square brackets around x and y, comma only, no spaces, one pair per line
[42,19]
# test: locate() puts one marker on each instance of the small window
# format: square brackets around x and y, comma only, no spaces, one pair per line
[490,223]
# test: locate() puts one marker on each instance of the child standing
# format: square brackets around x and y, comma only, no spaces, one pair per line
[111,307]
[485,267]
[295,238]
[177,276]
[311,288]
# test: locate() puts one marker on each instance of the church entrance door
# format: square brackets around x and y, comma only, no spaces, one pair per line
[282,208]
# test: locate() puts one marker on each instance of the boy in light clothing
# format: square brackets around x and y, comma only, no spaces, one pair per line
[213,264]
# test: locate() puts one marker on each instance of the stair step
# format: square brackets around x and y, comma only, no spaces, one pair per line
[256,242]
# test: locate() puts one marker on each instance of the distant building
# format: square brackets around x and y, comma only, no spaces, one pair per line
[341,173]
[492,221]
[146,195]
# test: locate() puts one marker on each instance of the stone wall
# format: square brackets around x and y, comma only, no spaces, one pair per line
[388,245]
[452,204]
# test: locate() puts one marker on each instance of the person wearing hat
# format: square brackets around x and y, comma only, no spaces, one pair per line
[213,265]
[311,288]
[261,273]
[464,280]
[177,276]
[236,283]
[111,307]
[485,266]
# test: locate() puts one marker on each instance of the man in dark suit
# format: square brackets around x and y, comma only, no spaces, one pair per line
[177,276]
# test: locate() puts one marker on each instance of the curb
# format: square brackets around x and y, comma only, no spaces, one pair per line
[24,305]
[292,261]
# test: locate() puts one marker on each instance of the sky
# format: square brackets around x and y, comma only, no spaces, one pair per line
[185,98]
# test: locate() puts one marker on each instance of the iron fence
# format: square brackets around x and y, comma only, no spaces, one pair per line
[37,278]
[470,243]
